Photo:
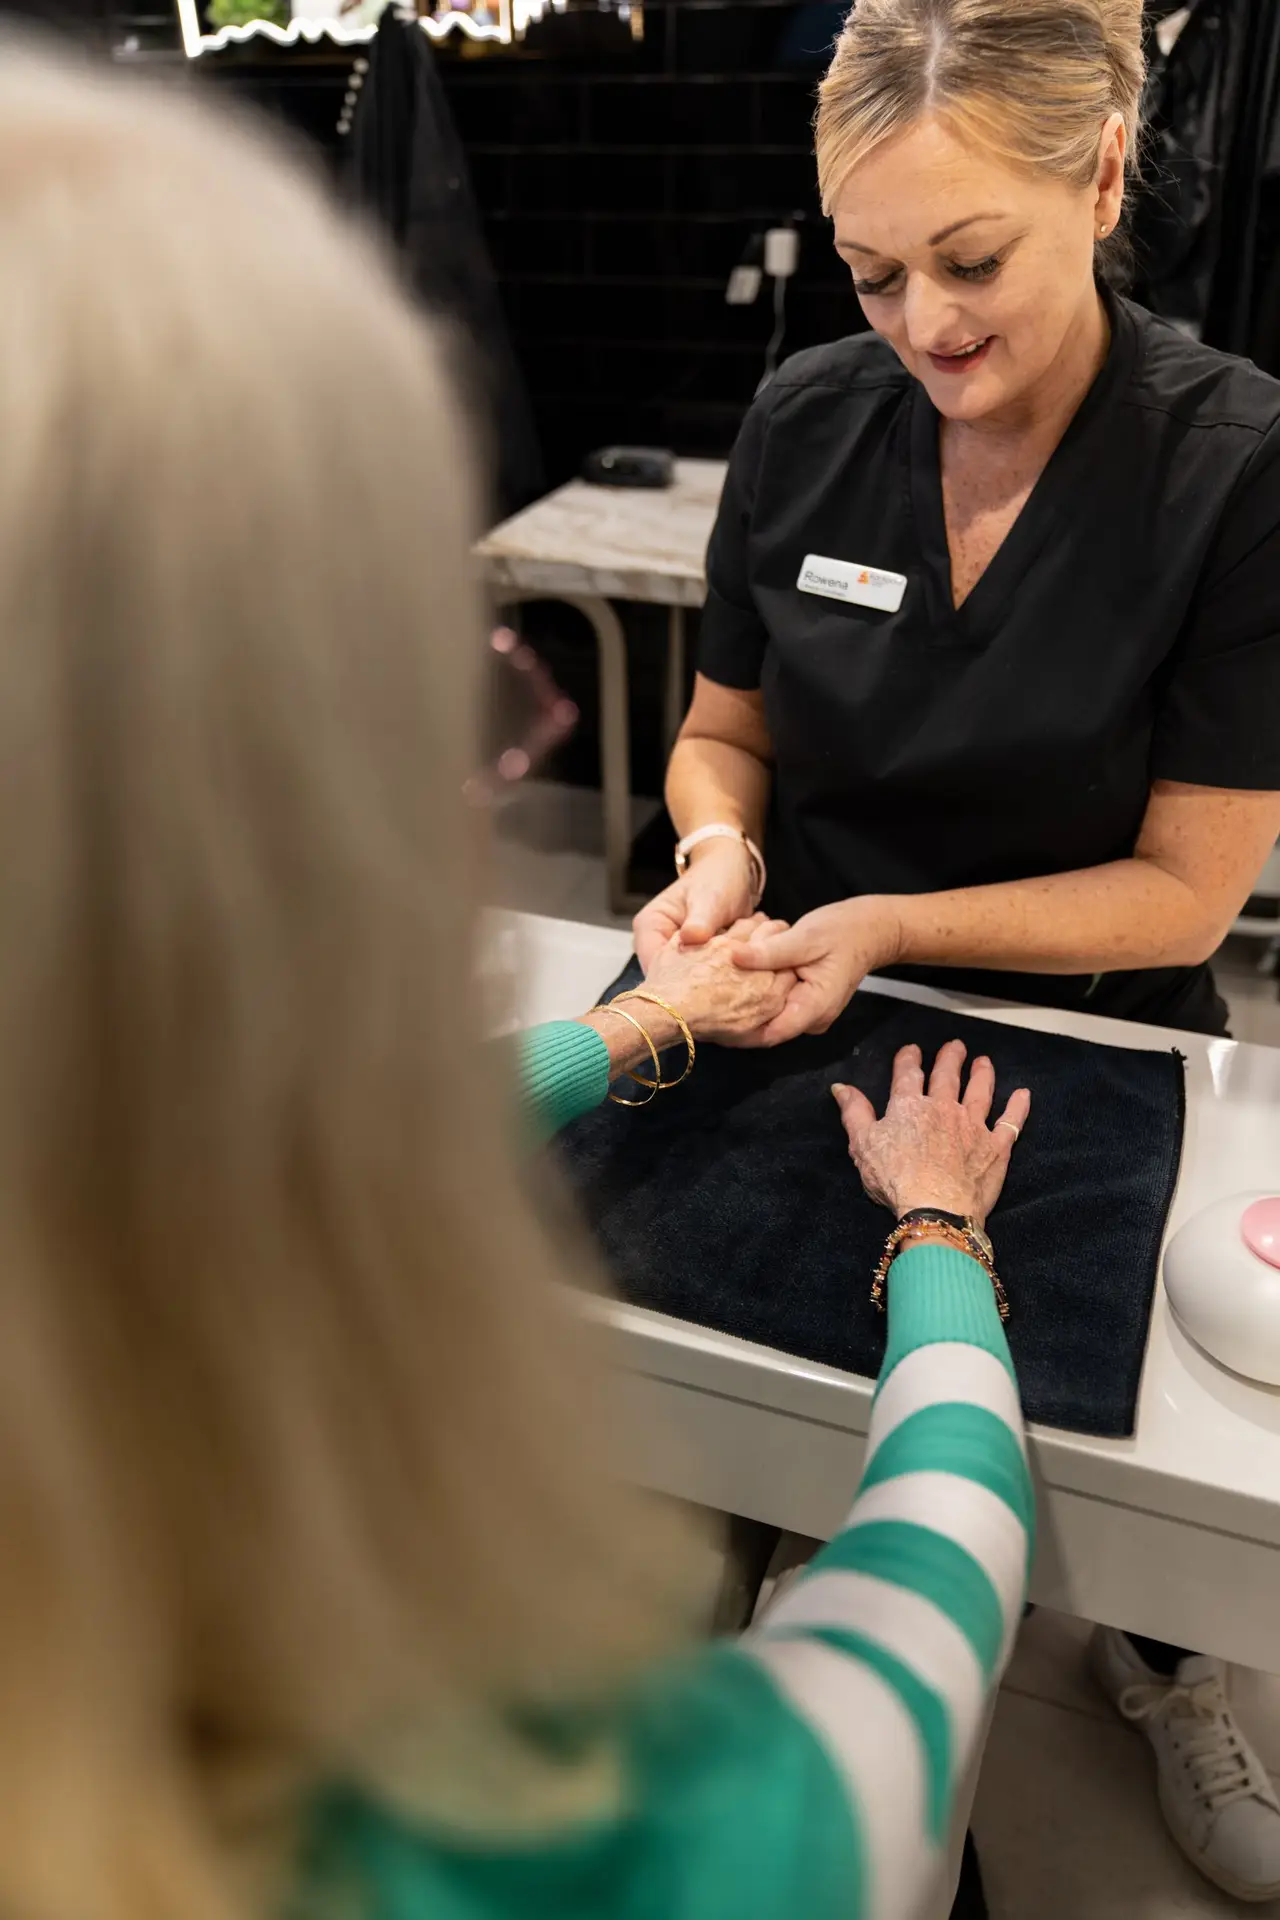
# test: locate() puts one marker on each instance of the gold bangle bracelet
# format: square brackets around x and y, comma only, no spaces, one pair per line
[661,1085]
[617,1099]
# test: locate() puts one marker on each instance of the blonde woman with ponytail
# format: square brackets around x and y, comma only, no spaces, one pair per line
[990,662]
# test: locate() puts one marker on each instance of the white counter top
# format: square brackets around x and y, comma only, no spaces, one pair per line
[1206,1452]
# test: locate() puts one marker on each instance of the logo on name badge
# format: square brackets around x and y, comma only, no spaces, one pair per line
[853,583]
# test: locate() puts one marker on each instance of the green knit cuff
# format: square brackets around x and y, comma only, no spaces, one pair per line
[564,1072]
[936,1294]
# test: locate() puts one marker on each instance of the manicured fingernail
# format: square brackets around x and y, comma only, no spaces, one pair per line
[838,1089]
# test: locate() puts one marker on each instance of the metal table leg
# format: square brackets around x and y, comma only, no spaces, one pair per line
[675,691]
[615,744]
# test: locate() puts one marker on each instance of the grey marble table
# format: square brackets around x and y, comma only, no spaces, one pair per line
[589,546]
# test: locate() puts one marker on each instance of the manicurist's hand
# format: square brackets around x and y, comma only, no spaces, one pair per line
[721,1001]
[934,1146]
[716,891]
[830,951]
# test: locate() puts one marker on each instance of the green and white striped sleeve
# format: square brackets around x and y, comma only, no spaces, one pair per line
[890,1644]
[886,1651]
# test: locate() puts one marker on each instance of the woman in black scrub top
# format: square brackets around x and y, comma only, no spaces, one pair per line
[990,661]
[1052,769]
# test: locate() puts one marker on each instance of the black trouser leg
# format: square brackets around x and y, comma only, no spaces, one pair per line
[1158,1654]
[970,1902]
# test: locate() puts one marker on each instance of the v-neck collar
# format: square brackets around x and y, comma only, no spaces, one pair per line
[972,623]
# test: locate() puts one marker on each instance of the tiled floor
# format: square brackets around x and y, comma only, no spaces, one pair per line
[548,853]
[1254,998]
[1066,1817]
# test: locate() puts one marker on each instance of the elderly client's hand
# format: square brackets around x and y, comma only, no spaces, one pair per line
[720,1001]
[933,1146]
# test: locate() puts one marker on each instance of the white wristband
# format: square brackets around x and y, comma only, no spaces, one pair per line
[721,830]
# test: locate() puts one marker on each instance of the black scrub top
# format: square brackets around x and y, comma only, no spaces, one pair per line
[1128,630]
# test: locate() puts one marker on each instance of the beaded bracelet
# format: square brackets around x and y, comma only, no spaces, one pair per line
[911,1233]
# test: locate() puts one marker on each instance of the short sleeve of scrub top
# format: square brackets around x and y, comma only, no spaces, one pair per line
[1219,720]
[733,637]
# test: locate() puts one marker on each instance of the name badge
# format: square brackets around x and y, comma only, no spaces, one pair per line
[846,580]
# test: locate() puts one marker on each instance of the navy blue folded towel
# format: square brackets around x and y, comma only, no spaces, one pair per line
[732,1202]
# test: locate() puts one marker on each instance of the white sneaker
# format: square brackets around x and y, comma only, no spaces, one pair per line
[1216,1798]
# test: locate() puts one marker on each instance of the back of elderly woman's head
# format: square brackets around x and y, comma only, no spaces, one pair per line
[287,1459]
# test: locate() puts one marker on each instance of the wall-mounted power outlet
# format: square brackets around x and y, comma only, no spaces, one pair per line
[744,286]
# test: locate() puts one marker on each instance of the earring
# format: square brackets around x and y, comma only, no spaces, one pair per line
[1103,232]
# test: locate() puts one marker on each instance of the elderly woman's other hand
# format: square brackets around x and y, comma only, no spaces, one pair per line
[933,1146]
[720,1001]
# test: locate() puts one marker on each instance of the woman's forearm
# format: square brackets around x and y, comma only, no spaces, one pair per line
[1199,851]
[918,1597]
[1128,914]
[711,780]
[1171,905]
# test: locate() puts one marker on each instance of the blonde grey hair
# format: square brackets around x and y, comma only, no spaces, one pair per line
[1032,81]
[298,1463]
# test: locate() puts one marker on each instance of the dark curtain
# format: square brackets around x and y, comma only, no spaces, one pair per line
[1207,222]
[408,168]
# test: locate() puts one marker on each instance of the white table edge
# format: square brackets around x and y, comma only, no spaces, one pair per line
[1113,1471]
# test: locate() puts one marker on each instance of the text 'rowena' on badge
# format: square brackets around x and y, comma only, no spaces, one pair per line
[846,580]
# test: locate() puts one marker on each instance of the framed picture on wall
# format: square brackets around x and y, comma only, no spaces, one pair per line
[208,25]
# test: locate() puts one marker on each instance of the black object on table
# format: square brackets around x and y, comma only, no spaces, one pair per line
[732,1202]
[630,467]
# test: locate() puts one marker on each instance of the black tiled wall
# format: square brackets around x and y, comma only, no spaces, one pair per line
[619,191]
[620,185]
[620,181]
